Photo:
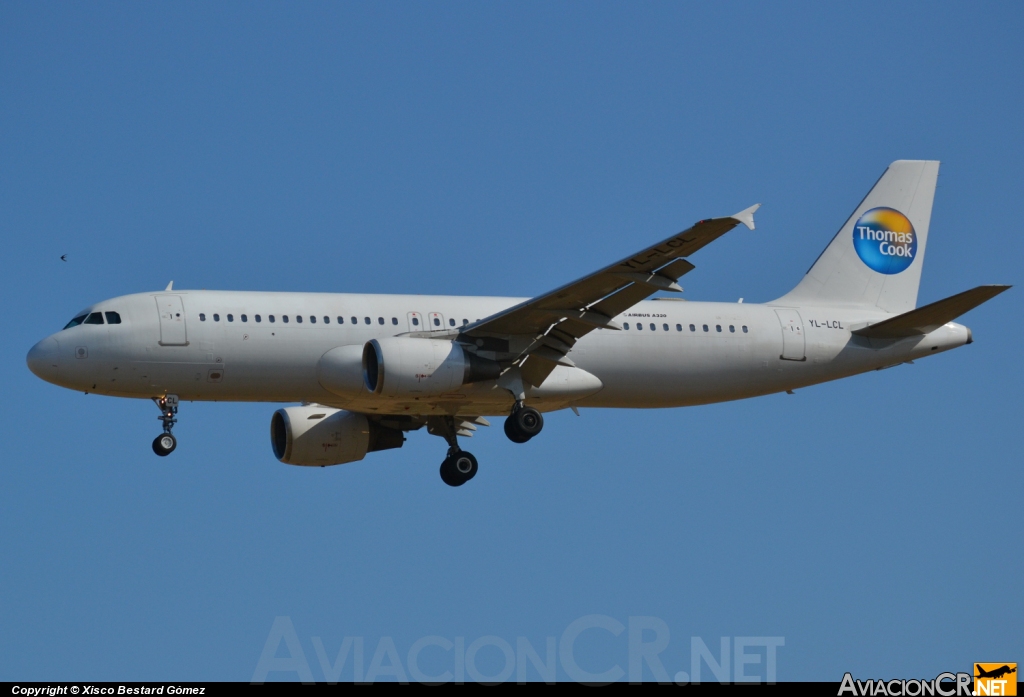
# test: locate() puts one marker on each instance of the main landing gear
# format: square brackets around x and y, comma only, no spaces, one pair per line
[165,443]
[460,466]
[523,423]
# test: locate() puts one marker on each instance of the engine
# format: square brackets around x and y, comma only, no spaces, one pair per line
[340,371]
[316,436]
[411,367]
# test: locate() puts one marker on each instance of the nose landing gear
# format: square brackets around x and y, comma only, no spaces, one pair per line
[523,423]
[165,443]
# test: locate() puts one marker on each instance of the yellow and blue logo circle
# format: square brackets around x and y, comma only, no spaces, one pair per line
[885,240]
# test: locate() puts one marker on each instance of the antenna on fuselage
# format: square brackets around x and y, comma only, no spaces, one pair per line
[170,286]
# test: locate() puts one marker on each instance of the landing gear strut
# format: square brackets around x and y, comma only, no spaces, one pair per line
[165,443]
[523,423]
[459,466]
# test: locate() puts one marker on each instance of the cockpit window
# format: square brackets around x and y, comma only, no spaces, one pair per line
[94,318]
[113,318]
[75,322]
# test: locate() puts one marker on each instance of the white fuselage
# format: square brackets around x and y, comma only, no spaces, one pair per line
[222,353]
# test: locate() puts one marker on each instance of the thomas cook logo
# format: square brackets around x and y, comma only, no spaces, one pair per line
[885,240]
[995,678]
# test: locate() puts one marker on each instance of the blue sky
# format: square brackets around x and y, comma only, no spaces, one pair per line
[466,148]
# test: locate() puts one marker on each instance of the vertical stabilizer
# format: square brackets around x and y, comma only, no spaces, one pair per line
[875,259]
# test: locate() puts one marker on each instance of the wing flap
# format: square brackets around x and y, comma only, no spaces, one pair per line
[930,317]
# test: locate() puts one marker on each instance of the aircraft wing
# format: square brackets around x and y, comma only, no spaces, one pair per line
[542,330]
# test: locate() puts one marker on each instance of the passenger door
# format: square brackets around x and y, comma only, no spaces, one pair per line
[172,320]
[793,344]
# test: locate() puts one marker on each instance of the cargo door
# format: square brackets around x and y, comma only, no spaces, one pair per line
[793,344]
[172,320]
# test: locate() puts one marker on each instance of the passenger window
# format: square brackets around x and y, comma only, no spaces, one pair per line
[216,317]
[705,327]
[451,322]
[693,328]
[245,318]
[415,322]
[202,316]
[355,321]
[679,327]
[231,318]
[718,327]
[744,329]
[75,322]
[312,319]
[258,318]
[665,327]
[394,321]
[625,325]
[639,327]
[367,320]
[653,326]
[437,322]
[113,318]
[327,320]
[380,321]
[732,329]
[341,320]
[284,318]
[298,319]
[94,318]
[465,322]
[271,318]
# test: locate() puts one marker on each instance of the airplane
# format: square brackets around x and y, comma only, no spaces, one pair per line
[368,369]
[995,673]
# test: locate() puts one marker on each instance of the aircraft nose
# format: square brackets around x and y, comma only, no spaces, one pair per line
[42,359]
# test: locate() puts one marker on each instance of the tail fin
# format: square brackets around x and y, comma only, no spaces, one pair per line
[875,259]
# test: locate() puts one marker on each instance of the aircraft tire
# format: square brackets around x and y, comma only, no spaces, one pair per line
[528,421]
[164,444]
[459,468]
[513,432]
[448,475]
[465,465]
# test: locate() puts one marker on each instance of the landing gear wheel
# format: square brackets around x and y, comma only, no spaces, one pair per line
[164,444]
[523,424]
[458,468]
[513,433]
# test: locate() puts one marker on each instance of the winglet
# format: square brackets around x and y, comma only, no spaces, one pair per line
[170,286]
[747,216]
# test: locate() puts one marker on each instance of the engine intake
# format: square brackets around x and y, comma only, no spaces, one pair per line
[316,436]
[405,366]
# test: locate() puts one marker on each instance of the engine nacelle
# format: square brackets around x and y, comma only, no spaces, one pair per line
[316,436]
[340,371]
[403,366]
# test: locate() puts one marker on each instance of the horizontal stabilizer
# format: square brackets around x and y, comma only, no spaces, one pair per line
[930,317]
